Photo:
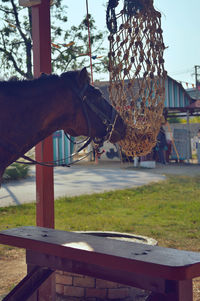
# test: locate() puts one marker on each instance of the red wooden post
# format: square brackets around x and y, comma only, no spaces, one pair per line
[41,34]
[44,150]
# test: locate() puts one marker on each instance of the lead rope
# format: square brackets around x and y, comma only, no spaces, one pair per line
[48,164]
[53,163]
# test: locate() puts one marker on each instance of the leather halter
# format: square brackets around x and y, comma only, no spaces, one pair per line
[108,121]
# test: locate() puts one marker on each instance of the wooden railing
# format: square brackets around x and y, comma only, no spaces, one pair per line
[168,273]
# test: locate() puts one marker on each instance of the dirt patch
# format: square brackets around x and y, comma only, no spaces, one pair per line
[13,269]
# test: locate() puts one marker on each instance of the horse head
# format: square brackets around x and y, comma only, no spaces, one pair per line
[52,103]
[102,121]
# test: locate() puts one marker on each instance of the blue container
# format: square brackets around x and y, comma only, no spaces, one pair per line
[62,148]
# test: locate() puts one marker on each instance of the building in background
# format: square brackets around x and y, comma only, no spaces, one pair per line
[178,103]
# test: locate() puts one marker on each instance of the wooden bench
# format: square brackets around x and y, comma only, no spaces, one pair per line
[168,273]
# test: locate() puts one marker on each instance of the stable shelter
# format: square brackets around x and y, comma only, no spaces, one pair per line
[178,101]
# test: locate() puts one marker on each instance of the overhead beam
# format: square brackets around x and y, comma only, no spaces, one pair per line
[29,3]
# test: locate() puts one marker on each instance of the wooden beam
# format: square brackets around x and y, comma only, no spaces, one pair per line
[126,257]
[95,270]
[41,34]
[29,284]
[29,3]
[166,272]
[44,150]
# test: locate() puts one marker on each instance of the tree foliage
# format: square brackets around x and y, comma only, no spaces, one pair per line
[69,45]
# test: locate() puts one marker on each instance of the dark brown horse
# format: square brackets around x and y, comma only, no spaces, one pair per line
[30,111]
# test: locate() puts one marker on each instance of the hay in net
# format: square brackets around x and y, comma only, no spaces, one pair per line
[137,75]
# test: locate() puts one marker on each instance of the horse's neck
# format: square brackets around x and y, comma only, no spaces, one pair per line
[32,120]
[43,111]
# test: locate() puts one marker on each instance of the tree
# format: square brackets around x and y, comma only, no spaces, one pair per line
[69,46]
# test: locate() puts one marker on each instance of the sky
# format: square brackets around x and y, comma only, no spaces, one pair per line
[180,24]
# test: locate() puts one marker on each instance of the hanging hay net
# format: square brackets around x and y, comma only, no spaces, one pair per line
[137,75]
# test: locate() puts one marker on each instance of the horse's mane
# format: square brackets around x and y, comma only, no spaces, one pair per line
[15,84]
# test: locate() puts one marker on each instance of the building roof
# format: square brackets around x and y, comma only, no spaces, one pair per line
[175,95]
[194,93]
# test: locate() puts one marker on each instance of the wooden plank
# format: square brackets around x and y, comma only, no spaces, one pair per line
[96,271]
[123,256]
[46,292]
[29,284]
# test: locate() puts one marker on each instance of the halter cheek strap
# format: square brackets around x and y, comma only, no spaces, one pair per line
[106,120]
[81,93]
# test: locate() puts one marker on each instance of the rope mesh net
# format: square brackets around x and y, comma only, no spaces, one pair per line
[137,75]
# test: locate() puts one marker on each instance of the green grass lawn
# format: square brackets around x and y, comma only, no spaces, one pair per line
[168,211]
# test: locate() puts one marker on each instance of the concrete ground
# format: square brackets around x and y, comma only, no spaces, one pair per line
[87,178]
[176,169]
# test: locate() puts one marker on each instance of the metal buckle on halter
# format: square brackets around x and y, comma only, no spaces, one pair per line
[98,141]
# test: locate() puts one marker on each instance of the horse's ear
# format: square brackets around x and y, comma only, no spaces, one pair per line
[83,75]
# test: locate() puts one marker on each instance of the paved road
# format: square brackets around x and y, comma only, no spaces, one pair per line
[77,180]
